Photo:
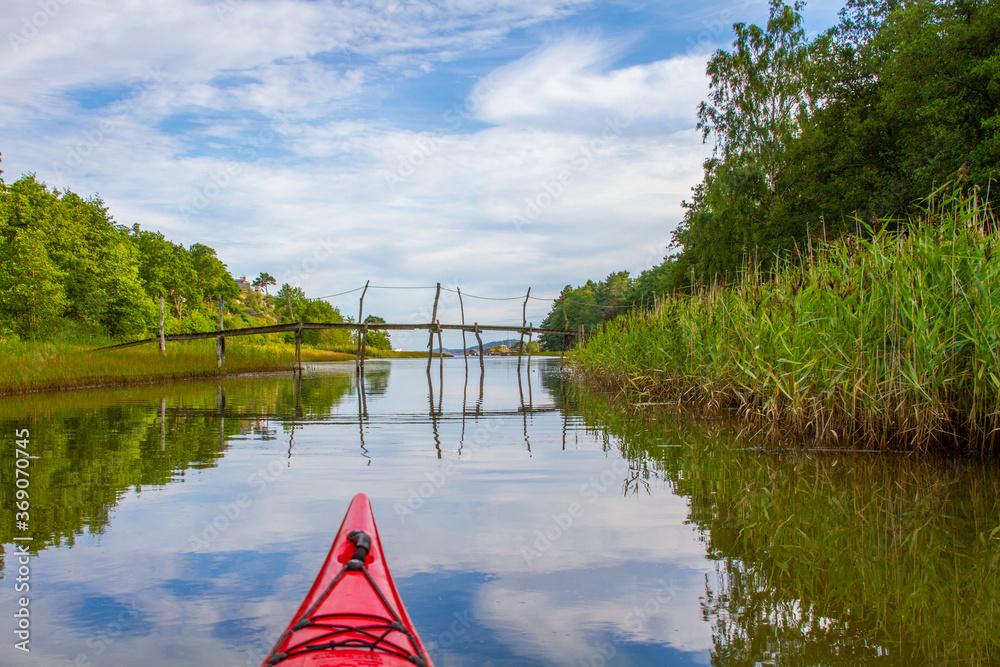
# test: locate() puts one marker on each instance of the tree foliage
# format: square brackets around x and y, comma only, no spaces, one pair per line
[860,122]
[812,136]
[321,311]
[589,305]
[67,269]
[377,338]
[67,266]
[290,304]
[263,280]
[63,258]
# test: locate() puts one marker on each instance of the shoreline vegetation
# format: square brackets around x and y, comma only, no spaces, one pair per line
[885,339]
[27,366]
[889,340]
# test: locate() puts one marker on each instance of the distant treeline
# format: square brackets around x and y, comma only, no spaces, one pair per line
[68,271]
[812,136]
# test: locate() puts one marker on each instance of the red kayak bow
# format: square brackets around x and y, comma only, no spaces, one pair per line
[353,614]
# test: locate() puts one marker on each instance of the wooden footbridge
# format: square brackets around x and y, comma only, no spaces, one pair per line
[362,328]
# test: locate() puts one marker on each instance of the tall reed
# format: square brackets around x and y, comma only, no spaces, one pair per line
[888,341]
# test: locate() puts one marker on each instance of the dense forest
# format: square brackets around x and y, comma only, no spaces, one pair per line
[69,272]
[814,138]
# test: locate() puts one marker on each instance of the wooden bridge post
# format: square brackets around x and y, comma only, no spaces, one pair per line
[220,341]
[163,423]
[359,361]
[430,341]
[298,350]
[524,322]
[163,340]
[465,352]
[363,334]
[531,326]
[482,364]
[562,352]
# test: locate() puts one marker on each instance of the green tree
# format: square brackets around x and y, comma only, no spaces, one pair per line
[32,296]
[759,95]
[861,122]
[758,91]
[93,256]
[321,311]
[263,280]
[377,338]
[589,305]
[213,276]
[665,278]
[166,268]
[291,299]
[128,311]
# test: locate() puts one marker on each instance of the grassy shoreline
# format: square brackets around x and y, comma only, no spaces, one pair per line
[890,343]
[29,367]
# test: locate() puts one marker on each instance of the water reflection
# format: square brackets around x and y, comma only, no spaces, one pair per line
[527,524]
[833,559]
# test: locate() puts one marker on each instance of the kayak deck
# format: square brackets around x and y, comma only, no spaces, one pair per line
[353,614]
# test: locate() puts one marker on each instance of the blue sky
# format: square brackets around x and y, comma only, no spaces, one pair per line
[493,146]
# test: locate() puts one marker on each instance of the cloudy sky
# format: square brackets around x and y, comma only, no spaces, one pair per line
[492,145]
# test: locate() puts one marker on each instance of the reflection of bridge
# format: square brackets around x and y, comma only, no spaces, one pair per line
[297,416]
[362,328]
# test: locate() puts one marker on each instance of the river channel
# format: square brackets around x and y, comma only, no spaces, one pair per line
[526,521]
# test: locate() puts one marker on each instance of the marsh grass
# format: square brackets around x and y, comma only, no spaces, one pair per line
[29,366]
[885,341]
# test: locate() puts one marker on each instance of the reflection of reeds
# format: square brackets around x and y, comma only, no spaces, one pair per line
[32,366]
[889,342]
[839,559]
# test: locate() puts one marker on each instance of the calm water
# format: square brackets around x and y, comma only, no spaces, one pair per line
[526,523]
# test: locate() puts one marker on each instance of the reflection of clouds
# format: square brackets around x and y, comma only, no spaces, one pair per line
[554,615]
[209,606]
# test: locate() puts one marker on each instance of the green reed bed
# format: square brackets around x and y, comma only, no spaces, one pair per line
[885,342]
[27,366]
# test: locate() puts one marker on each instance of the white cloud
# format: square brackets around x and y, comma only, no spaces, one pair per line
[570,81]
